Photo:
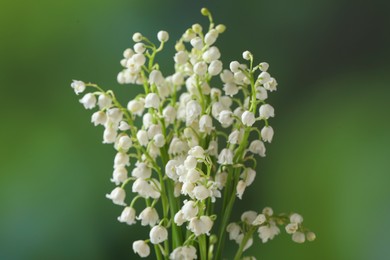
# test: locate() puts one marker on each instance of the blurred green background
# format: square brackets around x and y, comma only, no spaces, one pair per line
[329,159]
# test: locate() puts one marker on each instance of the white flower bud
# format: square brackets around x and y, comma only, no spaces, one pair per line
[142,137]
[148,216]
[152,101]
[184,252]
[121,159]
[156,77]
[193,111]
[296,218]
[141,248]
[267,133]
[291,228]
[248,217]
[142,171]
[248,118]
[159,140]
[211,37]
[162,36]
[115,115]
[268,232]
[226,118]
[259,220]
[200,68]
[197,152]
[78,86]
[197,43]
[234,66]
[205,124]
[147,120]
[264,66]
[246,55]
[268,211]
[99,118]
[158,234]
[127,216]
[257,147]
[109,135]
[124,143]
[181,57]
[137,37]
[169,114]
[241,186]
[104,101]
[211,54]
[139,47]
[220,179]
[264,77]
[310,236]
[225,157]
[117,196]
[201,192]
[201,225]
[136,107]
[271,85]
[128,53]
[227,76]
[215,67]
[298,237]
[88,101]
[119,175]
[230,89]
[248,176]
[179,218]
[190,162]
[234,230]
[138,59]
[123,126]
[189,210]
[261,93]
[213,148]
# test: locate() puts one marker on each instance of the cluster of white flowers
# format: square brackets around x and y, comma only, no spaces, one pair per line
[266,224]
[177,153]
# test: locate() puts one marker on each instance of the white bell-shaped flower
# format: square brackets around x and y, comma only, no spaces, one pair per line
[136,107]
[189,209]
[142,137]
[296,218]
[183,253]
[158,234]
[99,118]
[268,232]
[148,216]
[141,248]
[215,67]
[298,237]
[234,230]
[226,118]
[201,225]
[225,157]
[78,86]
[201,192]
[248,118]
[88,101]
[241,186]
[117,196]
[119,175]
[267,133]
[127,216]
[257,147]
[162,36]
[266,111]
[152,101]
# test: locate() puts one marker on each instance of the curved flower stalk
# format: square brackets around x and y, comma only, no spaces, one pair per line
[193,148]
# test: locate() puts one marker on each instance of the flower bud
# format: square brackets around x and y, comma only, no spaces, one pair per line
[162,36]
[158,234]
[141,248]
[298,237]
[137,37]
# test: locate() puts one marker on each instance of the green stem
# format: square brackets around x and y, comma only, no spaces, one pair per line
[243,244]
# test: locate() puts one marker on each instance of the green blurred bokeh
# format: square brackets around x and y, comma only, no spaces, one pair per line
[329,159]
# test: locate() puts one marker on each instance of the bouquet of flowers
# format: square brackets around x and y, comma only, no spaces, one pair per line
[190,146]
